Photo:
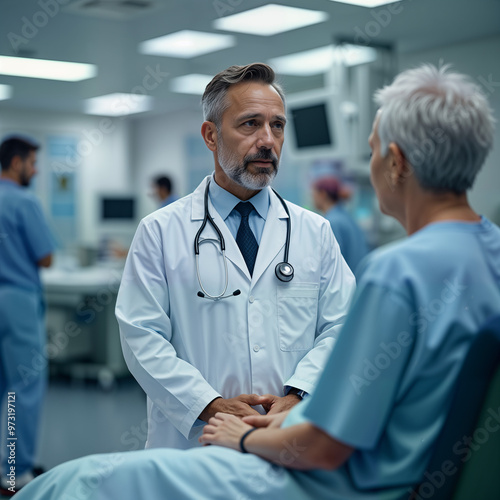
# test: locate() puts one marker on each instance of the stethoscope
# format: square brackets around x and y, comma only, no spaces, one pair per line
[284,270]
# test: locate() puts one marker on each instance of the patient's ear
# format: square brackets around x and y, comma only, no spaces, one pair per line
[400,168]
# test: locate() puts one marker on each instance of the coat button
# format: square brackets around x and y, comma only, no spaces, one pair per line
[256,348]
[251,299]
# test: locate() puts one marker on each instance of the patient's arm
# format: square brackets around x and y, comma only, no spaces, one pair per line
[302,446]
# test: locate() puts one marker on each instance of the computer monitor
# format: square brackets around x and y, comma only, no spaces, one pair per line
[315,127]
[117,208]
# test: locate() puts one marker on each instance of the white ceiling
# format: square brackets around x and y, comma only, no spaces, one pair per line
[109,38]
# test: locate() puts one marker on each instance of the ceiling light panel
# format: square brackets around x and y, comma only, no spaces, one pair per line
[270,20]
[186,44]
[190,84]
[118,104]
[306,63]
[366,3]
[322,59]
[5,92]
[46,69]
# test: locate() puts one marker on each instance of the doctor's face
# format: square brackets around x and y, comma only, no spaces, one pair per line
[251,135]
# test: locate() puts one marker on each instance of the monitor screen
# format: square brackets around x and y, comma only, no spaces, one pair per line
[311,127]
[118,208]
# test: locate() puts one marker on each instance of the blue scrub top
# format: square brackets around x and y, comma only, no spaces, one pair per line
[25,237]
[350,237]
[168,200]
[388,384]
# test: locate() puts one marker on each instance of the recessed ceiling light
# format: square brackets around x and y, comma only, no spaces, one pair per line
[320,60]
[270,19]
[186,44]
[190,84]
[118,104]
[5,92]
[352,55]
[49,70]
[367,3]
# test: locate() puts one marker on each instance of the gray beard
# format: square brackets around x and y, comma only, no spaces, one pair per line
[238,172]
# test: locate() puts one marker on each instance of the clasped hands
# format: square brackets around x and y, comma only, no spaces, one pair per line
[229,419]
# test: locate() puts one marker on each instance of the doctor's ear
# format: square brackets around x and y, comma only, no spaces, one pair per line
[209,134]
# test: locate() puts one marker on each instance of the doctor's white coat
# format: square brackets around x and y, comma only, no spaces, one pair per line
[185,350]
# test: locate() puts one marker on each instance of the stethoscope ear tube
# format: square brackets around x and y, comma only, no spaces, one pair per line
[284,270]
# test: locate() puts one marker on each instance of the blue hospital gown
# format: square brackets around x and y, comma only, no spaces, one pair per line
[350,237]
[385,390]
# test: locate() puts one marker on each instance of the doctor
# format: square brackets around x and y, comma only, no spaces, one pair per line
[231,298]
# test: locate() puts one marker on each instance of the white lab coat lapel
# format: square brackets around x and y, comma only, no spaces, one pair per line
[198,212]
[273,236]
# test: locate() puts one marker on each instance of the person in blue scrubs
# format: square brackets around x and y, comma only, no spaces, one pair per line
[164,191]
[26,244]
[368,429]
[328,194]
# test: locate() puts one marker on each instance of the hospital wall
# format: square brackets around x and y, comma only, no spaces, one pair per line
[160,145]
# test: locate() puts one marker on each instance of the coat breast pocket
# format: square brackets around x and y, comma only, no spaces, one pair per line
[297,314]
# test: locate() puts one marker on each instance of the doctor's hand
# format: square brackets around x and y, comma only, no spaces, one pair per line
[272,421]
[278,405]
[224,430]
[240,406]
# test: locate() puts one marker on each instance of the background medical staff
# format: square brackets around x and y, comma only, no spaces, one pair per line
[194,356]
[26,244]
[328,194]
[163,190]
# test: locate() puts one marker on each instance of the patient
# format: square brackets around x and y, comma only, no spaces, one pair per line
[369,428]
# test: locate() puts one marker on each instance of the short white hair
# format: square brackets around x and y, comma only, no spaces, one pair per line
[442,123]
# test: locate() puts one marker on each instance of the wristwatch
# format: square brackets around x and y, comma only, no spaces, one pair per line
[297,392]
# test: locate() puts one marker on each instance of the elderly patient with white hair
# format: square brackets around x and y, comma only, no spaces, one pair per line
[369,428]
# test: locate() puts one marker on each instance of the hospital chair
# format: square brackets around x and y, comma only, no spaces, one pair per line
[457,471]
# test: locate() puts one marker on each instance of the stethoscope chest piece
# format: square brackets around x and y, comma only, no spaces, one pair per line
[284,271]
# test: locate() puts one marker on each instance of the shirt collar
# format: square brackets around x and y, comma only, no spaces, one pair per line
[224,202]
[9,182]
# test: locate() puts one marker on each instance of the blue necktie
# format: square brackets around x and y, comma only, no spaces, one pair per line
[245,238]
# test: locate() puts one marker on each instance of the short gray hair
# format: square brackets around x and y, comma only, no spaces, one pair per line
[214,100]
[441,121]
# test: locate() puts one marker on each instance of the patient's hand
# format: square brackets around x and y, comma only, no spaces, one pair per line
[271,421]
[224,430]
